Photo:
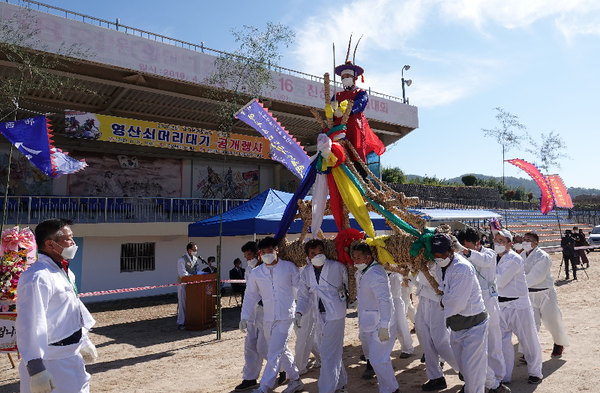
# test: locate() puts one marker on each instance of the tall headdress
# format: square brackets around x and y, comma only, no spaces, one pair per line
[350,67]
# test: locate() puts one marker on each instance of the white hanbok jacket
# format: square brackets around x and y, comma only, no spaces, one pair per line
[537,267]
[277,292]
[375,304]
[333,276]
[511,280]
[484,262]
[48,312]
[462,293]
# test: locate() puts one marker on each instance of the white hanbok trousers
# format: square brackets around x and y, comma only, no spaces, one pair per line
[69,375]
[495,359]
[409,308]
[546,310]
[306,341]
[470,350]
[181,302]
[255,346]
[404,337]
[279,356]
[520,322]
[434,337]
[331,344]
[378,353]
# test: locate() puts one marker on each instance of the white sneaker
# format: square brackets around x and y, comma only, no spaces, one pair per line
[294,386]
[342,390]
[317,363]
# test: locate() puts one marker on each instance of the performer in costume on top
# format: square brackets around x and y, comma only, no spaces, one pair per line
[357,131]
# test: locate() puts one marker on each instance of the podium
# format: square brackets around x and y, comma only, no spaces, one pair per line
[200,304]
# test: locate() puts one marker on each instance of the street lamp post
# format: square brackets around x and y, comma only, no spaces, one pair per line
[407,82]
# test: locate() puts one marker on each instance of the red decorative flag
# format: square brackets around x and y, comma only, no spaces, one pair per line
[547,200]
[561,195]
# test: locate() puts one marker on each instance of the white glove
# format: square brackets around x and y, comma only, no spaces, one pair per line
[41,382]
[89,353]
[243,325]
[298,320]
[383,334]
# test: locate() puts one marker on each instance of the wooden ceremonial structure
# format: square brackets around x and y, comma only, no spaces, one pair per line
[201,301]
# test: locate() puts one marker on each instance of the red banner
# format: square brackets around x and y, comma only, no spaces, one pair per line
[547,203]
[561,195]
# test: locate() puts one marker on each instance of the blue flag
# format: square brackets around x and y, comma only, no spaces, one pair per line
[284,148]
[32,138]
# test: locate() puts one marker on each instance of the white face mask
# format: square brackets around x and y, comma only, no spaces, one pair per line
[68,253]
[443,262]
[518,246]
[360,266]
[319,260]
[252,263]
[499,248]
[194,253]
[268,258]
[348,82]
[527,246]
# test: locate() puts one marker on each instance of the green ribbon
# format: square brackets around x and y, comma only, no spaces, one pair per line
[337,128]
[319,163]
[423,241]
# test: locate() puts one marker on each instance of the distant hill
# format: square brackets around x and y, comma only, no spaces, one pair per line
[514,182]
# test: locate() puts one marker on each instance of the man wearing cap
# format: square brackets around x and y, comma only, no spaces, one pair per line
[358,131]
[464,311]
[484,262]
[515,308]
[542,293]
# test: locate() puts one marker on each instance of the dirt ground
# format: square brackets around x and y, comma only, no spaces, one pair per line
[141,350]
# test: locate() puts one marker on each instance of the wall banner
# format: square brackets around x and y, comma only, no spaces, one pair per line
[167,136]
[8,333]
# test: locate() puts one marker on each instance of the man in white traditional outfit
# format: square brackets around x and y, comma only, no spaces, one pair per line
[322,290]
[376,320]
[434,336]
[464,311]
[307,341]
[187,265]
[542,293]
[403,335]
[53,323]
[255,345]
[516,311]
[484,262]
[274,282]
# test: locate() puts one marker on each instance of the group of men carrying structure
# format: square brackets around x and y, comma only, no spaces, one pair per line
[487,296]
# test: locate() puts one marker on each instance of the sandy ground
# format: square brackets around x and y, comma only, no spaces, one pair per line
[141,349]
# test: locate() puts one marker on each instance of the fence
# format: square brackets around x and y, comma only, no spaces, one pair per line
[23,210]
[463,203]
[591,217]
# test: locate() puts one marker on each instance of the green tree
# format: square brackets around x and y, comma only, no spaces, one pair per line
[549,151]
[469,180]
[508,134]
[245,73]
[394,175]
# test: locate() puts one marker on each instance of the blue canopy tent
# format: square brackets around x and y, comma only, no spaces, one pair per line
[261,216]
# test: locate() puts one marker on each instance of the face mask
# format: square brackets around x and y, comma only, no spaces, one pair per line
[443,262]
[348,82]
[252,263]
[499,248]
[268,258]
[527,246]
[194,253]
[68,253]
[360,266]
[518,246]
[319,260]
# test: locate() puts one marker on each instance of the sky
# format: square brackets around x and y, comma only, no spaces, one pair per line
[536,59]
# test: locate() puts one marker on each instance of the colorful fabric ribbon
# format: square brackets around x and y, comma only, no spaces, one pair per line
[423,242]
[379,243]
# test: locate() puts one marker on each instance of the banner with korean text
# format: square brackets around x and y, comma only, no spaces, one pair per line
[284,148]
[167,136]
[547,200]
[561,195]
[8,334]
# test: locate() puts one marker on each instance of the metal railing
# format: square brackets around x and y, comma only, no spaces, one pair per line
[590,217]
[168,40]
[22,210]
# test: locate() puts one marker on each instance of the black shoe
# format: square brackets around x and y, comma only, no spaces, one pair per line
[363,358]
[534,380]
[181,327]
[500,389]
[246,384]
[434,384]
[423,358]
[462,390]
[574,278]
[557,351]
[282,378]
[404,355]
[369,373]
[461,377]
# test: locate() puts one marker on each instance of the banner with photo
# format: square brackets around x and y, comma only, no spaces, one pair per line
[167,136]
[236,181]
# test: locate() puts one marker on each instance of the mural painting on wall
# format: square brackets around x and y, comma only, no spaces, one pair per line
[238,182]
[127,176]
[25,178]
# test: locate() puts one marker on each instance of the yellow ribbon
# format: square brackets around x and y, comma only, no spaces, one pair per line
[353,200]
[384,255]
[330,161]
